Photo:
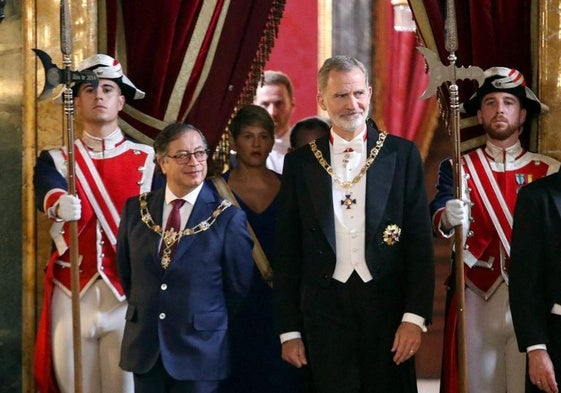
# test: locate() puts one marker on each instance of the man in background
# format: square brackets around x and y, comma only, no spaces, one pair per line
[276,95]
[307,130]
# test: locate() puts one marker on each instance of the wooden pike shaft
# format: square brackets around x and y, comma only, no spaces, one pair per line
[66,49]
[459,242]
[451,43]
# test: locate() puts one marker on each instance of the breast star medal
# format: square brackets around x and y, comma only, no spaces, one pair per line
[391,234]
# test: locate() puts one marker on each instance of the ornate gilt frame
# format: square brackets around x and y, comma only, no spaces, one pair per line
[549,75]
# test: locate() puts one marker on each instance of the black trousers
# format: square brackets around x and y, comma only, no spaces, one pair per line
[349,330]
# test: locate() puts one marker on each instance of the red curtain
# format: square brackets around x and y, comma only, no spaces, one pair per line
[400,80]
[490,33]
[195,59]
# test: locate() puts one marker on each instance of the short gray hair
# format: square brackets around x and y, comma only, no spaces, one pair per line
[339,63]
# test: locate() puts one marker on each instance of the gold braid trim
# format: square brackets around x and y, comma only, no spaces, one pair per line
[255,75]
[266,44]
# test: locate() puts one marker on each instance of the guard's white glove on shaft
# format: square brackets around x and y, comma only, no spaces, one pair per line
[456,213]
[69,208]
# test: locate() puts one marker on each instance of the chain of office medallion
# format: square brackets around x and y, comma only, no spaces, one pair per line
[329,169]
[201,226]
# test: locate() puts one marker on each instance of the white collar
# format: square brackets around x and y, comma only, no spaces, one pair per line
[106,143]
[357,144]
[190,198]
[284,139]
[509,154]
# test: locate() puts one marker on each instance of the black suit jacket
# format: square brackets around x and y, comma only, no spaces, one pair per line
[181,313]
[535,267]
[305,256]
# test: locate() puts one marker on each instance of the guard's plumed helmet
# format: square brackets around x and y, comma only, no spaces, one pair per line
[508,80]
[106,67]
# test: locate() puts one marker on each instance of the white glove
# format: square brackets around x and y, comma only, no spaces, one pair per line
[69,208]
[456,213]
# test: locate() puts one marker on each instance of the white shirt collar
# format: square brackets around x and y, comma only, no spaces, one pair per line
[101,144]
[190,198]
[358,143]
[498,154]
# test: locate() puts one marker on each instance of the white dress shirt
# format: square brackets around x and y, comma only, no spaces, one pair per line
[185,210]
[275,160]
[350,220]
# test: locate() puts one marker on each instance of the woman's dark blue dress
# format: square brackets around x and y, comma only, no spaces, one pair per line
[257,366]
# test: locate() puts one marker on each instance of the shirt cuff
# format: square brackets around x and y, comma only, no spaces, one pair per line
[415,319]
[289,336]
[536,347]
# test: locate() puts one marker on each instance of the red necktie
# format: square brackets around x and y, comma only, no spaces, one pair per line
[173,222]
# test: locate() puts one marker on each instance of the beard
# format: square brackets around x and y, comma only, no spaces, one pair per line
[350,124]
[502,133]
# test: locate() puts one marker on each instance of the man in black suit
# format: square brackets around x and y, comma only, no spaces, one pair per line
[354,274]
[535,281]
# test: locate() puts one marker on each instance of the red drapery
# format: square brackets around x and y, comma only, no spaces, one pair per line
[400,80]
[490,32]
[195,59]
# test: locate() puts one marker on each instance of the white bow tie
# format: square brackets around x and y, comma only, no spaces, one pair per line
[343,146]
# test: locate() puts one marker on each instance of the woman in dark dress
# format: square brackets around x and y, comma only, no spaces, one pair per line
[257,366]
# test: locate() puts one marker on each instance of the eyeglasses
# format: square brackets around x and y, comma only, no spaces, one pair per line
[184,157]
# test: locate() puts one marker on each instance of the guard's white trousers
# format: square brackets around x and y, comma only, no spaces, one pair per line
[494,364]
[102,321]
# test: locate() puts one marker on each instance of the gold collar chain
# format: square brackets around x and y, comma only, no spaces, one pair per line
[329,169]
[171,237]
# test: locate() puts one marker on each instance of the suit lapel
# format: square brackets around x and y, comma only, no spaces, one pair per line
[377,185]
[320,188]
[156,207]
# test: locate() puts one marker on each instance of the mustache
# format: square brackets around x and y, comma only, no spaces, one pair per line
[349,113]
